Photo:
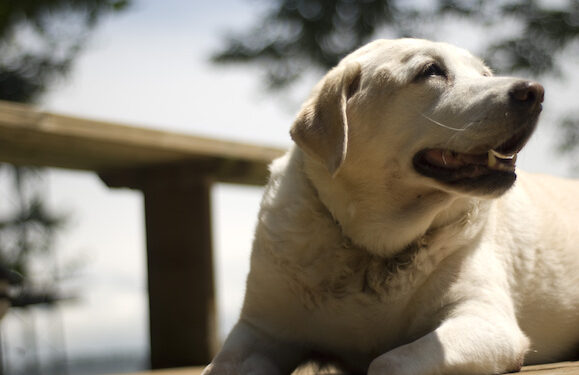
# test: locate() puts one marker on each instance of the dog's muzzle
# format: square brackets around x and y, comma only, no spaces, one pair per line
[491,171]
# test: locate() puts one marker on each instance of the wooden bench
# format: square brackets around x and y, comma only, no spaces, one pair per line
[172,171]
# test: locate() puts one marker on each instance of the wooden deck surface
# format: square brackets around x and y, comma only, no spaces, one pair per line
[560,368]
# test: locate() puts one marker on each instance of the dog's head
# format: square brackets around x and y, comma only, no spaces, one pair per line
[432,111]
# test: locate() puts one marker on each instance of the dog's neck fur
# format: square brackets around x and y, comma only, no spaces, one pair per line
[310,241]
[400,217]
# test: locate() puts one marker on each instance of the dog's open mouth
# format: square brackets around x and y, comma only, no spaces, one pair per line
[487,171]
[451,165]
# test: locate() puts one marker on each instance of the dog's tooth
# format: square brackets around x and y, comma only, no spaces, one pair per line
[446,156]
[501,162]
[503,156]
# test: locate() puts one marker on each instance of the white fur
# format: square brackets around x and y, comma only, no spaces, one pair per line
[361,259]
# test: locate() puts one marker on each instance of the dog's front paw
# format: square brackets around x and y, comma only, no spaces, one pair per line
[222,369]
[209,370]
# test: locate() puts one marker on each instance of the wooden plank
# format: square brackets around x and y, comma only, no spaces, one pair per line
[560,368]
[177,371]
[32,137]
[217,169]
[180,269]
[199,370]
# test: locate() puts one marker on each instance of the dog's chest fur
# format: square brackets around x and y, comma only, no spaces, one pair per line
[337,273]
[345,296]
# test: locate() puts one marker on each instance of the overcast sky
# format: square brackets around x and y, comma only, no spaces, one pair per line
[149,67]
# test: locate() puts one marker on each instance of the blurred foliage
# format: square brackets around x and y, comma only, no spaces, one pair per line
[570,138]
[29,225]
[39,39]
[297,36]
[27,230]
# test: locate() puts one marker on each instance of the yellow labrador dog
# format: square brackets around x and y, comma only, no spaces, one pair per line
[394,239]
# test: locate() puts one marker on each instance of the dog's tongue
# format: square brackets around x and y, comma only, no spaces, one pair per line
[454,160]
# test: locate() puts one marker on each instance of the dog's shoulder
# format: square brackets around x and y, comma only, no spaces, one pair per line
[292,221]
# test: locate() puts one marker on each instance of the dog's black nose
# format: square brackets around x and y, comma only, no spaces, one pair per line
[527,92]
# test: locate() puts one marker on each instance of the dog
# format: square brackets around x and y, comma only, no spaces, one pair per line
[396,235]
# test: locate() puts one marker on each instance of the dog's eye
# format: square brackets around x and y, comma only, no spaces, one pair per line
[432,70]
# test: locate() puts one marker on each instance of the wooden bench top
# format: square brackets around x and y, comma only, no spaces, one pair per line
[29,136]
[560,368]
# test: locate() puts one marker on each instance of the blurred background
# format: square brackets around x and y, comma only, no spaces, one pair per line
[228,69]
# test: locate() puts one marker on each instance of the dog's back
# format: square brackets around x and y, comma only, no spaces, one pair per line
[545,279]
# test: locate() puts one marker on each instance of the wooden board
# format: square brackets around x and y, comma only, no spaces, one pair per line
[32,137]
[560,368]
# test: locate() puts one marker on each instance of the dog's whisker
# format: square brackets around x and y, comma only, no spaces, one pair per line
[453,137]
[441,124]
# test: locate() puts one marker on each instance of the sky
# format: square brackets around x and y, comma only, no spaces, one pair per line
[150,67]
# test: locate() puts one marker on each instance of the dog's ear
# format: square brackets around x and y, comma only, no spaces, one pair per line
[321,127]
